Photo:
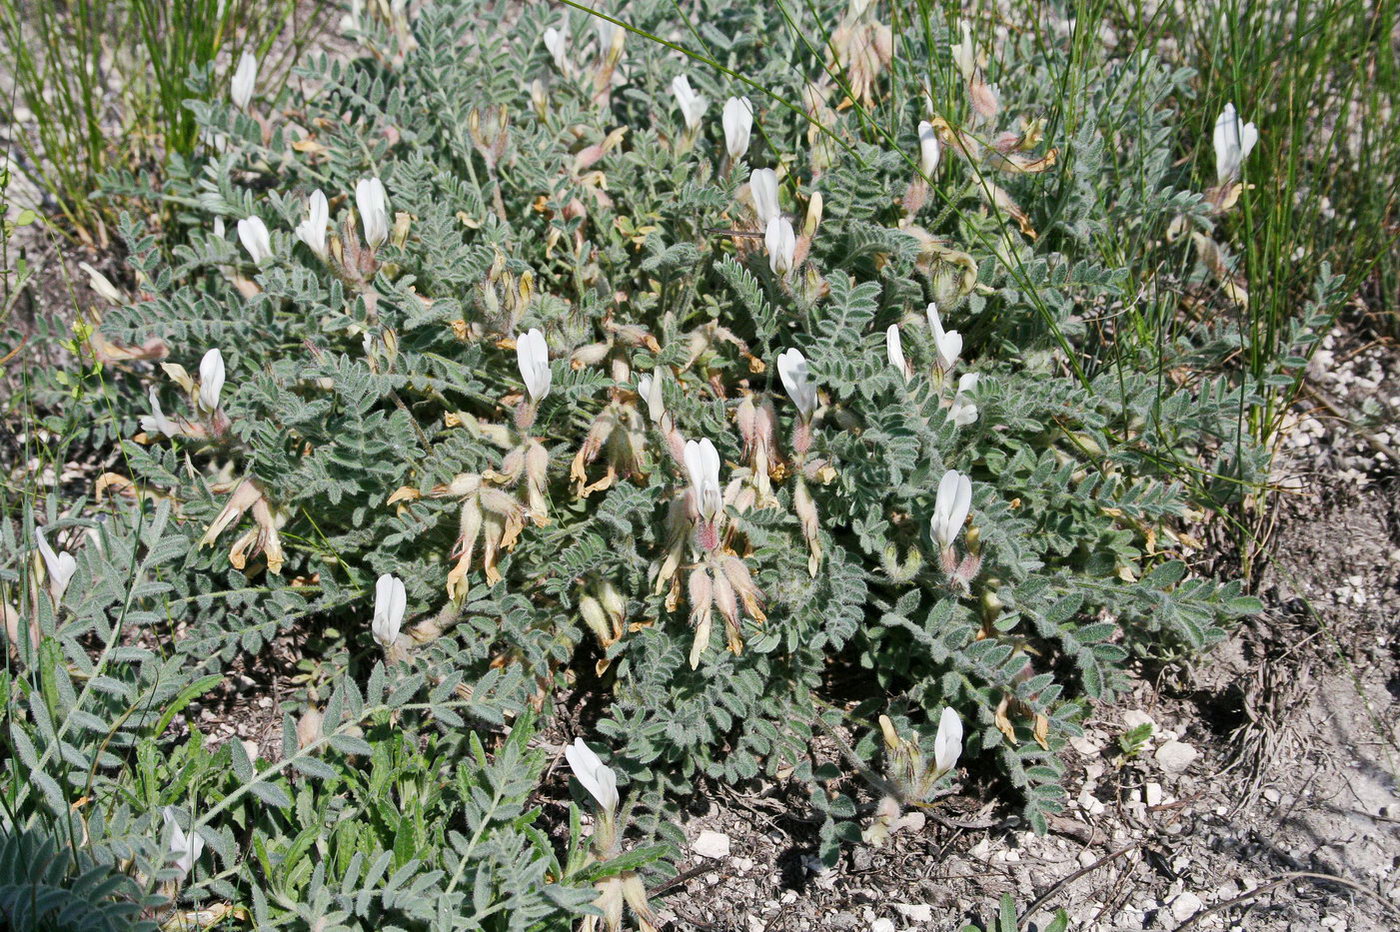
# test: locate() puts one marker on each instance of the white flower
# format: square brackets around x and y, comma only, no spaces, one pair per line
[702,463]
[782,245]
[186,848]
[252,233]
[894,348]
[211,379]
[102,285]
[389,604]
[1233,140]
[792,369]
[763,187]
[243,80]
[965,53]
[373,205]
[649,388]
[738,126]
[947,745]
[606,31]
[597,778]
[951,507]
[558,45]
[219,228]
[963,411]
[156,422]
[60,566]
[532,354]
[948,344]
[929,149]
[312,230]
[692,104]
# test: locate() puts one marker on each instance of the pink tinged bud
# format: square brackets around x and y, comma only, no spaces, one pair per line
[706,535]
[763,188]
[390,601]
[252,233]
[738,575]
[947,746]
[701,589]
[536,477]
[968,569]
[951,507]
[797,381]
[806,510]
[532,355]
[725,599]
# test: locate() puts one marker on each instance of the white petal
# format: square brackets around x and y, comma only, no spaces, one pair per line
[781,243]
[935,322]
[929,149]
[763,188]
[949,349]
[797,380]
[947,746]
[245,78]
[373,205]
[597,778]
[738,126]
[211,379]
[252,233]
[894,348]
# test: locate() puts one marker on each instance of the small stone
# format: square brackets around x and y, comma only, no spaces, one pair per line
[1185,905]
[1085,746]
[910,822]
[914,912]
[1135,717]
[1273,795]
[1152,794]
[1175,756]
[711,845]
[882,925]
[743,865]
[756,924]
[861,858]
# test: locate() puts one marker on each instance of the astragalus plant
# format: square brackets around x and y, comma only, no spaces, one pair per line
[532,375]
